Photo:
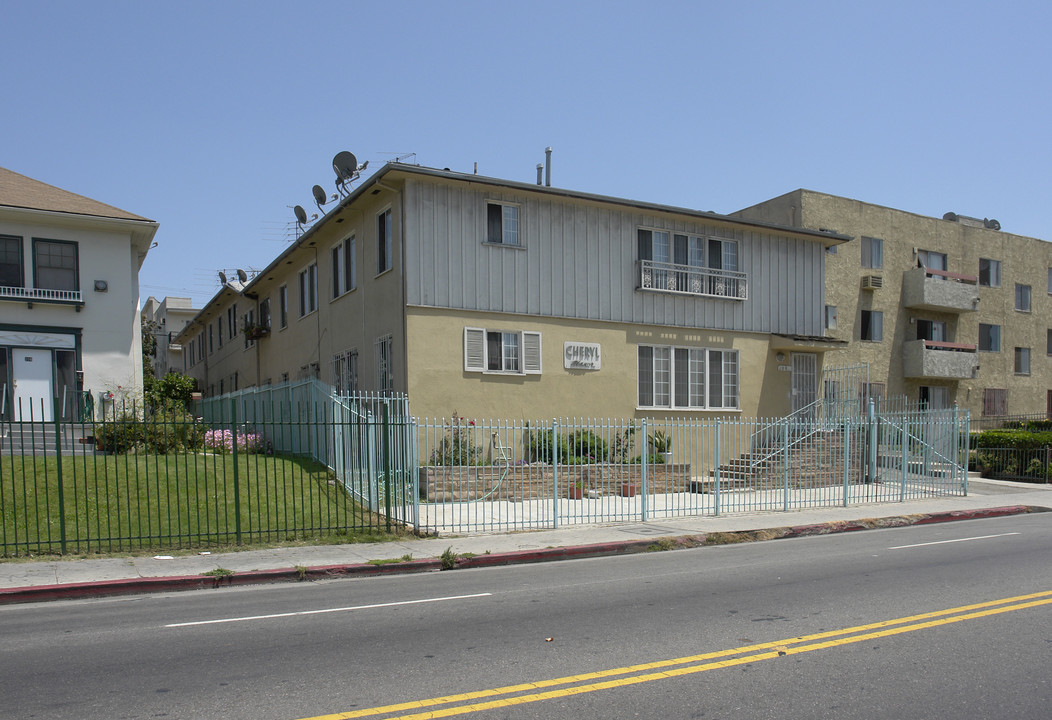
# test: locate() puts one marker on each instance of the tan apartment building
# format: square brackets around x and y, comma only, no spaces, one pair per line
[944,310]
[495,298]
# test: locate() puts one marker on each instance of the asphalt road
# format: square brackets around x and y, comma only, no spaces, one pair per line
[785,629]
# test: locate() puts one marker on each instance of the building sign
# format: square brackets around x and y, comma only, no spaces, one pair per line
[581,356]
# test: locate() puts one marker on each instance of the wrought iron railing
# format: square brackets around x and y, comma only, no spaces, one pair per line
[690,280]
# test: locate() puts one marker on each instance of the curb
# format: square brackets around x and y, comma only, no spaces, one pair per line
[109,588]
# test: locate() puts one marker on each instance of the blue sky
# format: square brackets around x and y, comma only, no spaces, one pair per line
[214,117]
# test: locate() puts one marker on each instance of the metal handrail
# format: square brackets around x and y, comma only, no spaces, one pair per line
[693,280]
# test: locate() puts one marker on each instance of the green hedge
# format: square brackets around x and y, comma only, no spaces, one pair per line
[1017,439]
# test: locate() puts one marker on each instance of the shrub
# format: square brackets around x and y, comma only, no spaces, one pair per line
[1017,439]
[458,446]
[224,440]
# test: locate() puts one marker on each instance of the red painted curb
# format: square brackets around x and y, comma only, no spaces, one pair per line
[104,588]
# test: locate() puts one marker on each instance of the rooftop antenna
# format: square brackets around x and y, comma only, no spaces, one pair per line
[347,169]
[222,277]
[320,198]
[242,276]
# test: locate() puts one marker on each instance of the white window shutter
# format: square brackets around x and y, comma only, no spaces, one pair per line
[474,350]
[531,353]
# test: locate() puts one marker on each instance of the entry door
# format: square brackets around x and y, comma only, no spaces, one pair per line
[32,380]
[804,380]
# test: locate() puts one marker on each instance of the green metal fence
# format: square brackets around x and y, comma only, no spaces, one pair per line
[247,468]
[1023,464]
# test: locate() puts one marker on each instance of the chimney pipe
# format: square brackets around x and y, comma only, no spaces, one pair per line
[540,169]
[548,166]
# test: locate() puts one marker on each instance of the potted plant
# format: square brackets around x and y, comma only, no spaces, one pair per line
[661,444]
[575,490]
[627,489]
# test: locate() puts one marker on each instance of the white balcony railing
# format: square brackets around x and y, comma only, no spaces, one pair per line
[40,295]
[690,280]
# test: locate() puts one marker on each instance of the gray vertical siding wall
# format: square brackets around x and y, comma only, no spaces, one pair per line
[578,260]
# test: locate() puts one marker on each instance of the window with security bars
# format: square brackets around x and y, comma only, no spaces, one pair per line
[693,378]
[345,372]
[384,357]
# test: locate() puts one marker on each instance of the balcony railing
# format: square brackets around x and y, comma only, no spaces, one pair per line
[690,280]
[939,291]
[45,295]
[936,359]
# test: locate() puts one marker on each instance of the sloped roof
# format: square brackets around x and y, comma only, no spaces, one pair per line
[19,191]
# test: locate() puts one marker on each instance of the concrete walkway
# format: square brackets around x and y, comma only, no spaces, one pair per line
[32,580]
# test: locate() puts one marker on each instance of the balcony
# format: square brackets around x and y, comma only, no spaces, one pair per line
[940,291]
[42,295]
[939,360]
[690,280]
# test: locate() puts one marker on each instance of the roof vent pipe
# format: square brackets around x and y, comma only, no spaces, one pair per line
[540,169]
[548,166]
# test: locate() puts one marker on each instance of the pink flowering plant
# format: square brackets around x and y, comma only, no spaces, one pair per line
[223,441]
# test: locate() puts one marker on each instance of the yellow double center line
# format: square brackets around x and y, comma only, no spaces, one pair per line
[509,695]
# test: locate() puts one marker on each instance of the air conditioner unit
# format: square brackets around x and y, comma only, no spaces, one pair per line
[872,282]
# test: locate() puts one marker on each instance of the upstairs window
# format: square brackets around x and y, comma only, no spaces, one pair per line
[932,260]
[264,312]
[219,329]
[934,330]
[231,321]
[11,274]
[502,351]
[283,306]
[989,337]
[872,252]
[55,265]
[1022,298]
[830,317]
[309,289]
[502,224]
[989,272]
[343,268]
[383,242]
[1022,361]
[871,327]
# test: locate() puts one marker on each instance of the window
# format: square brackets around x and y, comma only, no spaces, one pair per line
[932,260]
[873,391]
[989,338]
[283,305]
[309,289]
[55,265]
[688,250]
[248,321]
[695,378]
[934,397]
[219,329]
[345,372]
[989,272]
[502,224]
[384,363]
[502,351]
[830,317]
[1050,281]
[1048,343]
[343,268]
[383,242]
[995,401]
[934,330]
[871,327]
[231,322]
[211,345]
[11,262]
[264,312]
[1022,298]
[872,252]
[1022,361]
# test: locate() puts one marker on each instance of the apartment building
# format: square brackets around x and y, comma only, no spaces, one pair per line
[495,298]
[943,310]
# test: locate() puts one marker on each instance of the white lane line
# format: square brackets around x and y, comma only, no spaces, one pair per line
[943,542]
[327,610]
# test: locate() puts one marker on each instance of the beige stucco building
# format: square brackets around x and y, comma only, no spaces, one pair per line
[494,298]
[944,310]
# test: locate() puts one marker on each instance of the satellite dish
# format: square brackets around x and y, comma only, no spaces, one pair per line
[301,214]
[222,277]
[320,198]
[242,276]
[345,165]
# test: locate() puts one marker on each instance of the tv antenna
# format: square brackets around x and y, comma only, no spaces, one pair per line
[347,169]
[301,217]
[222,277]
[242,276]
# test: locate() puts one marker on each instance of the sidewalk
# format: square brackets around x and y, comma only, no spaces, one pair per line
[30,581]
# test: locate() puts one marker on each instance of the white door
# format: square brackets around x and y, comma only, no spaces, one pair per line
[32,380]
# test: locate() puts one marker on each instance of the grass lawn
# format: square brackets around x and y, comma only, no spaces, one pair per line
[114,503]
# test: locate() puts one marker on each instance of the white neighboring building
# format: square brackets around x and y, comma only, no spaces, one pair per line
[170,316]
[69,300]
